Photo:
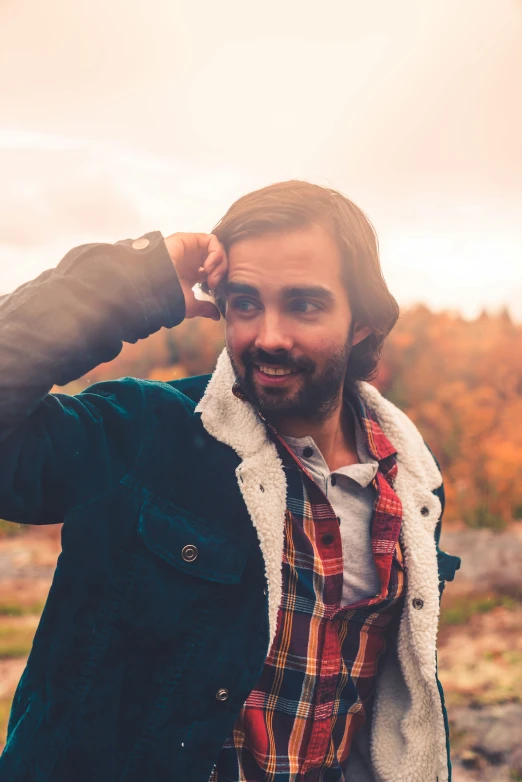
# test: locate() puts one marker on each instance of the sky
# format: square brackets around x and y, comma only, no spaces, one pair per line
[125,116]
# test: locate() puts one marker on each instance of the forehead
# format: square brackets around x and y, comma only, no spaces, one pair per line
[274,260]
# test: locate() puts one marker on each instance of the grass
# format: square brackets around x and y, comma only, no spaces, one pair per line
[17,628]
[16,640]
[461,609]
[15,609]
[5,709]
[9,529]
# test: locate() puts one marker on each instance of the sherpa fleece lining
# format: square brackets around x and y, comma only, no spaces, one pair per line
[408,738]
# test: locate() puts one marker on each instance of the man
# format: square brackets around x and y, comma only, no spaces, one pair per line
[250,578]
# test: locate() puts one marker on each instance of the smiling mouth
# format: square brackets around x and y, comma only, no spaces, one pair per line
[274,370]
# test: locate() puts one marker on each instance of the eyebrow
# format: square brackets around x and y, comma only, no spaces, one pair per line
[230,288]
[289,292]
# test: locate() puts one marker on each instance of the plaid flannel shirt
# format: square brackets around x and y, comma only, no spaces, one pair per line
[317,684]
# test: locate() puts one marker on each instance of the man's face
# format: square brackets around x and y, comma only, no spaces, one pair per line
[288,322]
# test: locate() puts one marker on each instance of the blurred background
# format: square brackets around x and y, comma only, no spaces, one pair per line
[125,116]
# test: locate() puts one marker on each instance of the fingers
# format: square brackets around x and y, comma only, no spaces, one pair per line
[215,250]
[217,274]
[214,277]
[198,258]
[216,262]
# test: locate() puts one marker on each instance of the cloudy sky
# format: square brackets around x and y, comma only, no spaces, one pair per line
[122,116]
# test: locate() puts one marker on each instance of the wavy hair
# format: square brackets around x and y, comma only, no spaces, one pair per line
[295,204]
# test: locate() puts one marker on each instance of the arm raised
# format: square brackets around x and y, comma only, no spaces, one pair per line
[58,450]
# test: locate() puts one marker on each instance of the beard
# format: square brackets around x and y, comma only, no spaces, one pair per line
[319,391]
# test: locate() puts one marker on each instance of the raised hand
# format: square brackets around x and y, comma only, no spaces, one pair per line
[198,258]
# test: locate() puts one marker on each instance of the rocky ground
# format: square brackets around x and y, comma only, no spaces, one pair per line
[480,640]
[490,560]
[480,654]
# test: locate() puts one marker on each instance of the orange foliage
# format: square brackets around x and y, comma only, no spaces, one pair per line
[189,349]
[461,382]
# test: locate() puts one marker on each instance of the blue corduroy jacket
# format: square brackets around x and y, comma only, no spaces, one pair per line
[144,655]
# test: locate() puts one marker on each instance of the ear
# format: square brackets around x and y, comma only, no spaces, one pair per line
[359,333]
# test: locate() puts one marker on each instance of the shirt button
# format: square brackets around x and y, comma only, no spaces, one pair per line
[189,553]
[327,539]
[222,694]
[140,244]
[308,452]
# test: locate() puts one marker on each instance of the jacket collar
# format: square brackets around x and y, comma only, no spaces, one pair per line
[261,479]
[234,421]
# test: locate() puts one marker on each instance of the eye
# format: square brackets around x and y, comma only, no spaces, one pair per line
[243,305]
[304,306]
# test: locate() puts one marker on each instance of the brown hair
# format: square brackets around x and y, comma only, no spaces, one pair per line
[295,204]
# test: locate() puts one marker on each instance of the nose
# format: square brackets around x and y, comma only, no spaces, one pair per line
[273,335]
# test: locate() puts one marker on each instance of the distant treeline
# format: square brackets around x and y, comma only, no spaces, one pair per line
[459,380]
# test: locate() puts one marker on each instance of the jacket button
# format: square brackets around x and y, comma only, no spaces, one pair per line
[189,553]
[425,511]
[140,244]
[222,694]
[417,603]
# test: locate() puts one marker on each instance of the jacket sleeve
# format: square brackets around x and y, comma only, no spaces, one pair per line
[57,451]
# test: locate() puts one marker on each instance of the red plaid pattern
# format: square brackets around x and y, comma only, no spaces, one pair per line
[317,684]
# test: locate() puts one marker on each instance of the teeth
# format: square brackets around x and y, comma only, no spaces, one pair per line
[273,371]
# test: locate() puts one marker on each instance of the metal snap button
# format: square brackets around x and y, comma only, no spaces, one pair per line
[140,244]
[425,511]
[189,553]
[417,603]
[222,694]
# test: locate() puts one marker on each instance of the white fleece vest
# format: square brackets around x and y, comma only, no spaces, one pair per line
[407,741]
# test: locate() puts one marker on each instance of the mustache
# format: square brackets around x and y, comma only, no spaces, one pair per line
[285,360]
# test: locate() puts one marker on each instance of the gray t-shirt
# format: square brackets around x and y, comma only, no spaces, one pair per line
[351,493]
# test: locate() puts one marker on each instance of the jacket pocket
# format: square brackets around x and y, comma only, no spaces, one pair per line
[191,544]
[184,565]
[189,577]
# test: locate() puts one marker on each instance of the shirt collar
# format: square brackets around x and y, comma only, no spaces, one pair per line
[378,444]
[376,441]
